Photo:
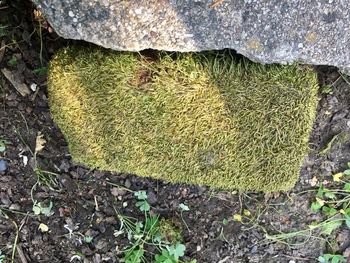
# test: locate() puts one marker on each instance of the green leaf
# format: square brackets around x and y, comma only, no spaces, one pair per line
[325,258]
[141,195]
[184,207]
[320,191]
[347,210]
[177,251]
[152,224]
[134,256]
[338,259]
[330,195]
[138,227]
[328,228]
[329,211]
[36,210]
[315,206]
[347,172]
[143,206]
[346,187]
[129,235]
[347,220]
[46,210]
[88,239]
[40,71]
[2,146]
[12,61]
[165,257]
[225,221]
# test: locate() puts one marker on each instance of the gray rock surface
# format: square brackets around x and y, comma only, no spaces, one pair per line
[267,31]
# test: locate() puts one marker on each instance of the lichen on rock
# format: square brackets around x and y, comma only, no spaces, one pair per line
[273,31]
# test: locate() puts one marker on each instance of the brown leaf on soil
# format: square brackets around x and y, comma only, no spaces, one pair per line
[19,86]
[39,143]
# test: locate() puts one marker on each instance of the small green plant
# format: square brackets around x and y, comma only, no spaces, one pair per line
[171,254]
[153,231]
[184,208]
[336,140]
[88,239]
[45,178]
[333,202]
[328,89]
[2,256]
[12,61]
[40,71]
[3,144]
[330,258]
[39,209]
[142,204]
[3,30]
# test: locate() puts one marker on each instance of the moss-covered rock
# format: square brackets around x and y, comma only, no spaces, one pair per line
[190,118]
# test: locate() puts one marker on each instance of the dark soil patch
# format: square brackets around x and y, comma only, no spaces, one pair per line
[78,191]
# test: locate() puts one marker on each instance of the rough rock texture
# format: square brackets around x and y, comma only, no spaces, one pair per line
[312,32]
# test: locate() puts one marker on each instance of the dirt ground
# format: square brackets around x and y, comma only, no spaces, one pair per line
[85,201]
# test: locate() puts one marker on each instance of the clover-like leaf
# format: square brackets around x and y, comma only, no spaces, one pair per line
[177,251]
[184,207]
[141,195]
[328,228]
[143,206]
[36,210]
[165,257]
[134,256]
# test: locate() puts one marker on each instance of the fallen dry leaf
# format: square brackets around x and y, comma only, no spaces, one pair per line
[336,177]
[39,143]
[19,86]
[43,227]
[313,181]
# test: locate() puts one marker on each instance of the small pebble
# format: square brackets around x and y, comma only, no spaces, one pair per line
[33,87]
[152,197]
[3,165]
[117,191]
[127,183]
[254,249]
[15,207]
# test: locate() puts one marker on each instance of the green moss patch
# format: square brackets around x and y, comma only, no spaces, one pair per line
[191,118]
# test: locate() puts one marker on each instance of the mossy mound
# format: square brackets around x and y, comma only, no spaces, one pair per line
[190,118]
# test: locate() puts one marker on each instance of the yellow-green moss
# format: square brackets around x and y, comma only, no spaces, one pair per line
[190,118]
[169,232]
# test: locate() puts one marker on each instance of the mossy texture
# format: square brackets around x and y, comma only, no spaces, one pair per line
[191,118]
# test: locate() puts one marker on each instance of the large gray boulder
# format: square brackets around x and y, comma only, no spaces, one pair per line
[267,31]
